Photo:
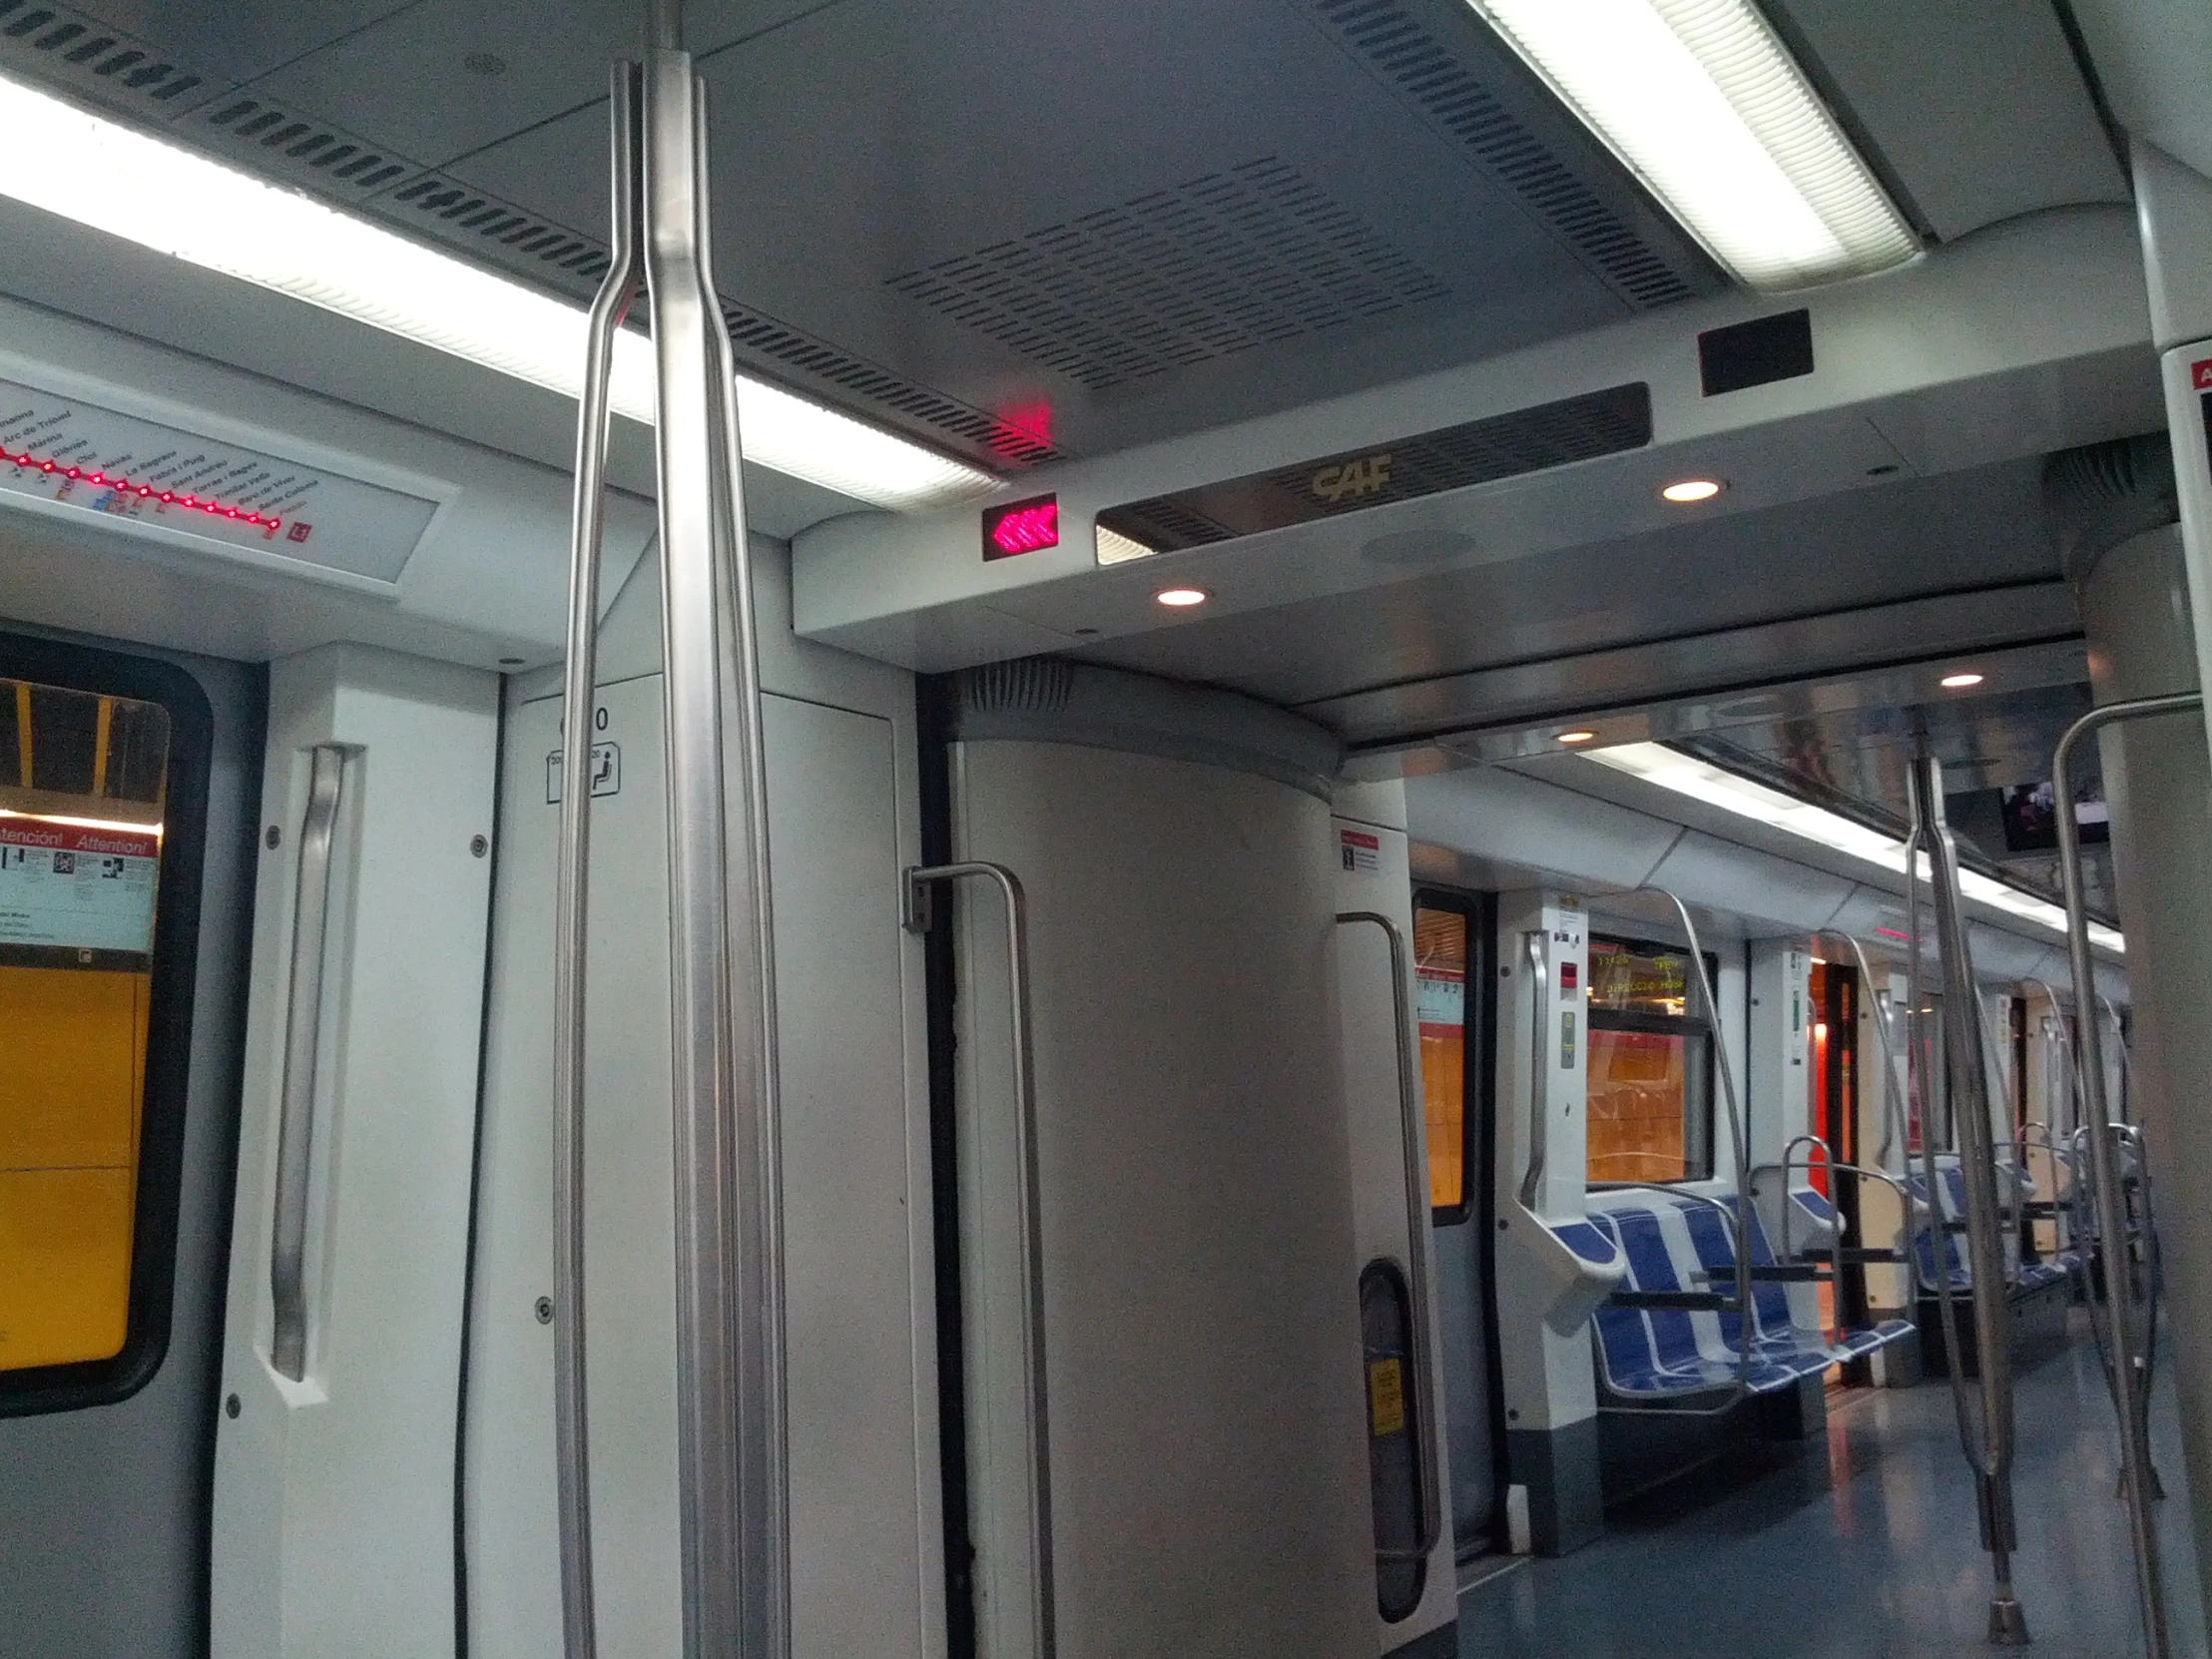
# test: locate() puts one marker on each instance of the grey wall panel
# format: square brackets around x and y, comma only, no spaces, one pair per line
[1206,1398]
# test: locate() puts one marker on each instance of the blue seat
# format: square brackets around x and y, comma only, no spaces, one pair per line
[1660,1353]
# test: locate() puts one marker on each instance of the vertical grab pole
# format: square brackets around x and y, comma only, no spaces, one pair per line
[571,1427]
[918,917]
[2104,1184]
[1967,1077]
[1536,946]
[728,1246]
[1413,1111]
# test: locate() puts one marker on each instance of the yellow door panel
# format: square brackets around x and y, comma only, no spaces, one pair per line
[65,1265]
[72,1043]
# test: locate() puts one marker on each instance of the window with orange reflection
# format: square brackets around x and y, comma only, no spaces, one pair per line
[1440,985]
[1650,1073]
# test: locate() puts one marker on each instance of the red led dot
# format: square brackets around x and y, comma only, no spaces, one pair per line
[23,460]
[167,495]
[99,477]
[73,473]
[48,467]
[276,524]
[143,490]
[190,502]
[253,518]
[231,512]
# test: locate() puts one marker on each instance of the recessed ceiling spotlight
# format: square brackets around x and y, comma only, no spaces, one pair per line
[1960,682]
[1182,598]
[1577,735]
[1692,489]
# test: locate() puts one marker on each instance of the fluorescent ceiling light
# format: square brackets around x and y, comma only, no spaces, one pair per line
[179,203]
[1670,770]
[1703,101]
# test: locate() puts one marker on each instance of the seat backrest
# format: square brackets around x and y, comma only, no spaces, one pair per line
[1623,1333]
[1714,1239]
[1651,1268]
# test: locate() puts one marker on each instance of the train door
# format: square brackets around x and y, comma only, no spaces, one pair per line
[1452,959]
[127,789]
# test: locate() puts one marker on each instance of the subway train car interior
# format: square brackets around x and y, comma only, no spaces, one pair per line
[1266,829]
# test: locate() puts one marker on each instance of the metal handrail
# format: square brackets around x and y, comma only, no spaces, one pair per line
[1827,1156]
[733,1500]
[311,918]
[1895,1131]
[1413,1109]
[2106,1186]
[1965,1066]
[571,1412]
[918,917]
[1534,945]
[1908,1203]
[1896,1127]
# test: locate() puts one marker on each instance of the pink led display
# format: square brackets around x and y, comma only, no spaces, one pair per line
[125,486]
[1021,527]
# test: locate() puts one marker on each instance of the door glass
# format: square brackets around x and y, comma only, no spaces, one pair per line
[1440,970]
[82,783]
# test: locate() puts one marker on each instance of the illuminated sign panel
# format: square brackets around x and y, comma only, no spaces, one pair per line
[1021,527]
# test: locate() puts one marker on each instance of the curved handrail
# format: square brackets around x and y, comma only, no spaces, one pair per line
[1827,1156]
[2111,1222]
[1413,1109]
[571,926]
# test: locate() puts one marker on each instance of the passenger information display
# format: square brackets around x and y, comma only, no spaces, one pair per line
[65,453]
[71,887]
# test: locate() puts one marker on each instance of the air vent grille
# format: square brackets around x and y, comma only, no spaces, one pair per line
[1220,265]
[61,47]
[1441,84]
[77,50]
[1583,428]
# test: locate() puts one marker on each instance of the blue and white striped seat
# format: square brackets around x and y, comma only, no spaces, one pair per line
[1674,1244]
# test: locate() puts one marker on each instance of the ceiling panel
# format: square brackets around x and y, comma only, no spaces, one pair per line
[237,40]
[442,78]
[1978,110]
[1882,542]
[1094,227]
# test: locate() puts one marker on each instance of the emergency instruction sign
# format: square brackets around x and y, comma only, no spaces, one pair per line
[72,887]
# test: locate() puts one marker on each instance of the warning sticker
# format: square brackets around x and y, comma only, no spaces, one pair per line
[67,887]
[1360,851]
[1386,1397]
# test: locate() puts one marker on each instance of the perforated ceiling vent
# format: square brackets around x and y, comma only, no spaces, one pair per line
[1439,80]
[1218,265]
[68,47]
[60,43]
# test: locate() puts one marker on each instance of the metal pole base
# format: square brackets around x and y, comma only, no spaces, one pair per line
[2007,1624]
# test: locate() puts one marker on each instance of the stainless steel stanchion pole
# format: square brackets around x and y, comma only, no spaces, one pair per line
[1967,1077]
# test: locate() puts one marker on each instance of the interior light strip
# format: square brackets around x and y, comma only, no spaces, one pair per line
[117,825]
[31,464]
[195,208]
[1703,101]
[1686,775]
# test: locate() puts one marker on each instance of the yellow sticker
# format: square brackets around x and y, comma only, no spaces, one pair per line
[1386,1397]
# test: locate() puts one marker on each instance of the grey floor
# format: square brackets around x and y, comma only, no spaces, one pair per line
[1865,1548]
